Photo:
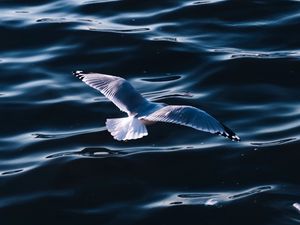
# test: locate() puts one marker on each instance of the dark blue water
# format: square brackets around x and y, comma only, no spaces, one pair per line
[238,60]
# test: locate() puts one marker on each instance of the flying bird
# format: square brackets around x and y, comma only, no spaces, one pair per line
[140,111]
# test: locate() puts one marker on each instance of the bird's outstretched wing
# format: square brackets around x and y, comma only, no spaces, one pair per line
[116,89]
[191,117]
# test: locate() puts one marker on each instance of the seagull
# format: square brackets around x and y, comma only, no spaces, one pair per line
[142,112]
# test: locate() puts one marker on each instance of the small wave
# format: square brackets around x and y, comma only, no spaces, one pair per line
[52,20]
[44,136]
[174,95]
[133,30]
[233,53]
[250,192]
[170,39]
[21,11]
[11,172]
[209,199]
[274,143]
[89,152]
[162,79]
[205,2]
[162,95]
[97,2]
[66,134]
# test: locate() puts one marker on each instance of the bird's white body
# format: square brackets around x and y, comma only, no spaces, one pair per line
[141,112]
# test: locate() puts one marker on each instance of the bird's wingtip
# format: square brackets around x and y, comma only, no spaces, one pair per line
[230,134]
[78,73]
[235,138]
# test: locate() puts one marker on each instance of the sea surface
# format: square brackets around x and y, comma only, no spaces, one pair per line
[239,60]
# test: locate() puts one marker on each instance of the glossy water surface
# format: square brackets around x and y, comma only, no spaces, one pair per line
[238,60]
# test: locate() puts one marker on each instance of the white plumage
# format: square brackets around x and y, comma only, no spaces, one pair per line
[126,128]
[140,111]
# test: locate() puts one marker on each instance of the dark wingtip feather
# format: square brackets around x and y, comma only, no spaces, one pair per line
[78,73]
[229,134]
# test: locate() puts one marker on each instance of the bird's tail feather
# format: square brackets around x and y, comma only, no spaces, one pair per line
[126,128]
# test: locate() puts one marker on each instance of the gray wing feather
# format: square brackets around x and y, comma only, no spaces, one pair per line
[116,89]
[191,117]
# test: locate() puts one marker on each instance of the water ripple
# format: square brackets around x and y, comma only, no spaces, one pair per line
[90,152]
[237,60]
[209,199]
[274,143]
